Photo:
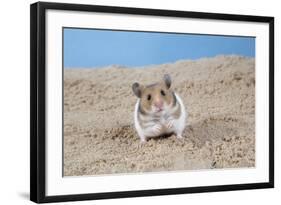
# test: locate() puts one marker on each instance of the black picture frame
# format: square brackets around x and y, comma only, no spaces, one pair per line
[38,101]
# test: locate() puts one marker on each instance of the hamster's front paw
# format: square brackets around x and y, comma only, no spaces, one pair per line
[156,129]
[170,124]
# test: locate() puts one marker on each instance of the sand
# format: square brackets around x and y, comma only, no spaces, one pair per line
[219,95]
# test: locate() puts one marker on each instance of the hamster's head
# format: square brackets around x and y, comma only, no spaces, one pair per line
[155,98]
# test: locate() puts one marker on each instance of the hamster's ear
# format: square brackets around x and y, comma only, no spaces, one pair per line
[137,88]
[167,80]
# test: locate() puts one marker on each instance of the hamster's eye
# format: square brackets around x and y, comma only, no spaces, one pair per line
[149,97]
[163,92]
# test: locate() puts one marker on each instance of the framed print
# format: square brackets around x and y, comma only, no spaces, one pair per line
[129,102]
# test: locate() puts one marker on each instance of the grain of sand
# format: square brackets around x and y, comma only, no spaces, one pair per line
[219,95]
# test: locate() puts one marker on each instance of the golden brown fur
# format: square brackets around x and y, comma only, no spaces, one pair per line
[154,91]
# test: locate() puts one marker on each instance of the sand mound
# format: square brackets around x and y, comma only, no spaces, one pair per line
[219,94]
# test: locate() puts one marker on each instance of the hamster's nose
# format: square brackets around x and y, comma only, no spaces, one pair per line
[158,104]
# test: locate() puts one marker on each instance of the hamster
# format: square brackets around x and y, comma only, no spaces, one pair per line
[159,110]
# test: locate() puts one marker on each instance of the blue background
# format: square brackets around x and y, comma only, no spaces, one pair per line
[96,48]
